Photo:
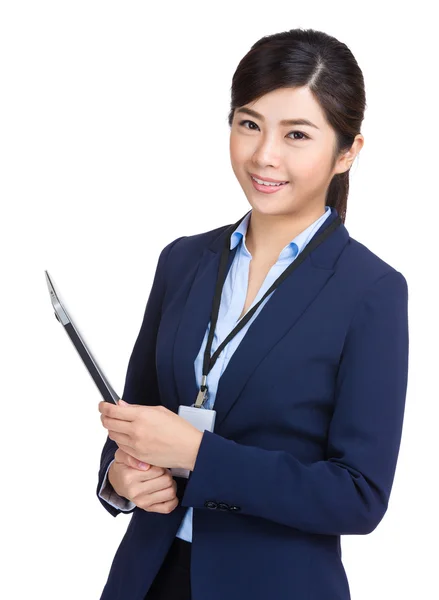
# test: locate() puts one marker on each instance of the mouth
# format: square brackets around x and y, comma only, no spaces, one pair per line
[267,187]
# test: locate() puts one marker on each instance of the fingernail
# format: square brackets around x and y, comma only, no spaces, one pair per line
[143,465]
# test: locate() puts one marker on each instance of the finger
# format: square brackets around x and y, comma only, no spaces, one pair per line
[118,411]
[130,461]
[121,439]
[129,452]
[162,493]
[119,456]
[117,425]
[158,471]
[122,456]
[153,473]
[163,507]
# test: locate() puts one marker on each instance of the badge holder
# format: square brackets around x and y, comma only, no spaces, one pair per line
[200,417]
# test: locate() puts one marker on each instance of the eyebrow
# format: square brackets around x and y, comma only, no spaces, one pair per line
[253,113]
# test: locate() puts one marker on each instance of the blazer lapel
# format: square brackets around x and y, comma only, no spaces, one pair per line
[193,323]
[279,314]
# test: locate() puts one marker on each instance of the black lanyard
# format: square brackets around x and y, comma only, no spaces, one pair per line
[208,361]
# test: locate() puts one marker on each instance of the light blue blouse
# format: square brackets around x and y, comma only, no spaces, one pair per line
[232,302]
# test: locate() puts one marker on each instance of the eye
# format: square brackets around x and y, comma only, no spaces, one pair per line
[247,121]
[291,132]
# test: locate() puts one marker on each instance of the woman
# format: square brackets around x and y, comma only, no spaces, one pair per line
[305,375]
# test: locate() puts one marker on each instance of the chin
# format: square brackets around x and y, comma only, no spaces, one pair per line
[270,206]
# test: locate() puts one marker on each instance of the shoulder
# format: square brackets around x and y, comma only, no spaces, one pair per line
[365,267]
[191,245]
[188,248]
[371,286]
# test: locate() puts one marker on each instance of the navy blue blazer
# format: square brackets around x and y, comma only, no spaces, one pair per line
[307,434]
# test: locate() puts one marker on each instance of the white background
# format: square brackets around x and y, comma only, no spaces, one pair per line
[114,142]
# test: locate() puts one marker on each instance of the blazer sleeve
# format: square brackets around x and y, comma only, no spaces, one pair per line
[347,493]
[108,493]
[141,385]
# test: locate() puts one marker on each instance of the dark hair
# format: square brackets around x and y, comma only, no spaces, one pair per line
[306,57]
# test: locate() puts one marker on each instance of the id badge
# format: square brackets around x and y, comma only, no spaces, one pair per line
[202,419]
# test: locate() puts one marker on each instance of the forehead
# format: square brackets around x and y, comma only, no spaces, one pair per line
[289,103]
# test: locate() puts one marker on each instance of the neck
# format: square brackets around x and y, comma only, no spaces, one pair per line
[267,235]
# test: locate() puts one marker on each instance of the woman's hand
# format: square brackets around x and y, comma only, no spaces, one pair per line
[152,434]
[152,488]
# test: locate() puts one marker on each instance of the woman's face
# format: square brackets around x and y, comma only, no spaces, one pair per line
[300,154]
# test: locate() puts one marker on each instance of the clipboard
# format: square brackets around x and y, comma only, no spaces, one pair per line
[107,392]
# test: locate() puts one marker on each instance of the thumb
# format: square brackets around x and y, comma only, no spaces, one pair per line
[123,402]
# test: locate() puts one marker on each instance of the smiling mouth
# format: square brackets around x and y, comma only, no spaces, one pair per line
[268,183]
[265,189]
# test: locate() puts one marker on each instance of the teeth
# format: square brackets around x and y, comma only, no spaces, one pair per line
[266,182]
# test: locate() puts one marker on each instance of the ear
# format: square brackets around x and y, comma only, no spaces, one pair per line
[344,163]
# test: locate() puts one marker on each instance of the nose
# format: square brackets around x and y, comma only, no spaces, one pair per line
[267,152]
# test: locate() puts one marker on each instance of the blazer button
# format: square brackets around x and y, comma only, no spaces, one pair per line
[210,504]
[223,506]
[234,508]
